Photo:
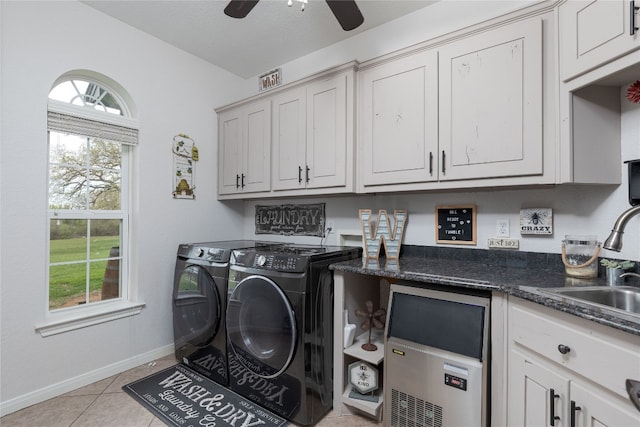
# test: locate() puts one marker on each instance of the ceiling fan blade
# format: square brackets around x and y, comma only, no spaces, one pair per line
[239,8]
[347,13]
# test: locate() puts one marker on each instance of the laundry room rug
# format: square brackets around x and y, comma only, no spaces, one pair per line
[182,397]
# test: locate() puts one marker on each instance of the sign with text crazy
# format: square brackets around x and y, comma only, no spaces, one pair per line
[181,397]
[382,234]
[291,220]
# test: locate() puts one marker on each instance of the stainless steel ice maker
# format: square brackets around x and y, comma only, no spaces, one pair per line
[435,364]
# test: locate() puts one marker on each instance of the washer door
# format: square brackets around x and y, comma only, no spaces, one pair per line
[196,307]
[261,326]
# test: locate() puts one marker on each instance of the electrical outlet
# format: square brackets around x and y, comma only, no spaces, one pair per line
[502,228]
[330,227]
[494,243]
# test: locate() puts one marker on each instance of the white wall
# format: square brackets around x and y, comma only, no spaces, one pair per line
[174,92]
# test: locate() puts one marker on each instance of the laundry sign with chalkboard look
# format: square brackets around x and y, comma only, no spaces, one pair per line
[456,224]
[294,220]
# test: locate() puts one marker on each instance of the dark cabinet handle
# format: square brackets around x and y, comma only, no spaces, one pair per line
[430,163]
[443,162]
[633,388]
[633,9]
[237,181]
[564,349]
[242,181]
[299,175]
[307,175]
[552,407]
[574,409]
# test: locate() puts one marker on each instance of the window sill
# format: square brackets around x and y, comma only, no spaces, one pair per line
[88,317]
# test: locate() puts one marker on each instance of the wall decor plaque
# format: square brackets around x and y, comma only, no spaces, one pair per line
[456,224]
[291,220]
[536,221]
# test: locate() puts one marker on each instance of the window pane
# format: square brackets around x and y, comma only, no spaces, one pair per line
[105,238]
[105,175]
[67,171]
[68,240]
[67,285]
[85,94]
[105,280]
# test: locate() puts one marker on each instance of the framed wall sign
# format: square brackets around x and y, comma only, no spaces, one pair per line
[456,224]
[536,221]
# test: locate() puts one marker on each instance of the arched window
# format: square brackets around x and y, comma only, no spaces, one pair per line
[91,134]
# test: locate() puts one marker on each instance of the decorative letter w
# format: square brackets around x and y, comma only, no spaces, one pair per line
[383,235]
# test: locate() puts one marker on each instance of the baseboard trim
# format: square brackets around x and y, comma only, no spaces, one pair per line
[45,393]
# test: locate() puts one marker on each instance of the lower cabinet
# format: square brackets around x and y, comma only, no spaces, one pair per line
[564,371]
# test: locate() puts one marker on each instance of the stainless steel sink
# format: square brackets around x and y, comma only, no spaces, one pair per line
[623,298]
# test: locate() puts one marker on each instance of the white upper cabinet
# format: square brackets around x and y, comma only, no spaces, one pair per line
[491,104]
[289,139]
[310,135]
[327,136]
[294,140]
[595,32]
[244,144]
[399,120]
[456,115]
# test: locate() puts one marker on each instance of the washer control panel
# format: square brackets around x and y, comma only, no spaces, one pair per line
[274,262]
[277,262]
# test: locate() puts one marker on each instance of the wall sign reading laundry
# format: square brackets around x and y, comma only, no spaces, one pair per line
[295,220]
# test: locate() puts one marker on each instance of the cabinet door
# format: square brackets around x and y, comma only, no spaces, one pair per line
[399,121]
[594,32]
[289,134]
[491,103]
[531,385]
[230,124]
[326,153]
[256,149]
[597,409]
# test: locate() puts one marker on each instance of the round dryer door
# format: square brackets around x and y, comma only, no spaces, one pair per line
[196,307]
[261,326]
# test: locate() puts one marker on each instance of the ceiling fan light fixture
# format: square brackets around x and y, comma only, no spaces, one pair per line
[304,2]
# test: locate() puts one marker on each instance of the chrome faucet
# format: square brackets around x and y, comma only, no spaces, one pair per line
[614,241]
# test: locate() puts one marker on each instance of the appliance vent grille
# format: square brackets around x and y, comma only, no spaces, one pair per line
[411,411]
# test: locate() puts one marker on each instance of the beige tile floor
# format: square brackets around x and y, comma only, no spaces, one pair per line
[104,404]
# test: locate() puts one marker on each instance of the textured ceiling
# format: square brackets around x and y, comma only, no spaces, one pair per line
[271,35]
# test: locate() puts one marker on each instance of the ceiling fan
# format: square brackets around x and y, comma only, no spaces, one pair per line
[346,11]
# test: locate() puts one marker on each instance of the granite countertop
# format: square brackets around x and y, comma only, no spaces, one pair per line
[478,274]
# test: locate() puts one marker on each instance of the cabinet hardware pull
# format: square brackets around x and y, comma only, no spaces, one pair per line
[299,175]
[443,165]
[633,9]
[242,181]
[430,163]
[237,181]
[633,388]
[552,407]
[564,349]
[574,408]
[307,175]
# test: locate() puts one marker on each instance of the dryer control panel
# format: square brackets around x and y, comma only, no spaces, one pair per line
[278,262]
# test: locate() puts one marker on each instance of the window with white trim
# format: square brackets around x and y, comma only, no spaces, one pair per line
[91,135]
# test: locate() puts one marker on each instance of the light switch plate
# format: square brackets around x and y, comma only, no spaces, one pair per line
[502,228]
